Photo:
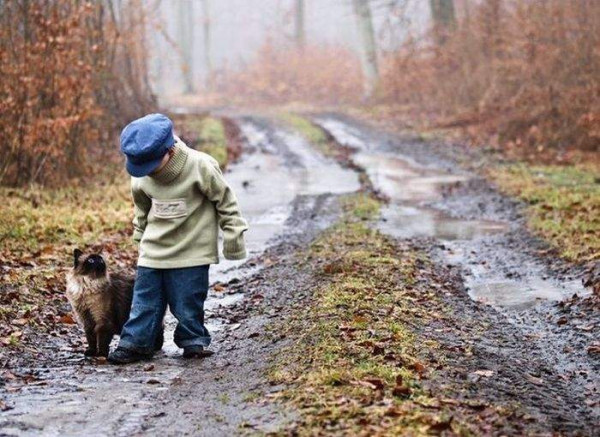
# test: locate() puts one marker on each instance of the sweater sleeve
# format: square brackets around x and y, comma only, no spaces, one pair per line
[141,207]
[231,222]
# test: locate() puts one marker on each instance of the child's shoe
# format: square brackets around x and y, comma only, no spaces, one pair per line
[196,352]
[122,355]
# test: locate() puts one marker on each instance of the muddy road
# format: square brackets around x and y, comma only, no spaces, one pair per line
[516,344]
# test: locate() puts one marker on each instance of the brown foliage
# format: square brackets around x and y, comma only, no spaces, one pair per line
[320,74]
[71,74]
[527,71]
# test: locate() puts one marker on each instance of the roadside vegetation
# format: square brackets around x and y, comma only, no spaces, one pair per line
[316,136]
[564,205]
[73,74]
[206,134]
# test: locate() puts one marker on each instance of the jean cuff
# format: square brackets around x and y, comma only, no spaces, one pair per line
[136,348]
[198,341]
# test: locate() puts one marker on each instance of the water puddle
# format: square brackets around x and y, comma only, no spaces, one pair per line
[407,222]
[519,294]
[504,280]
[403,180]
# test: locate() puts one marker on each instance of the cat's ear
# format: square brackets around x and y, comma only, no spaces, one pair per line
[76,254]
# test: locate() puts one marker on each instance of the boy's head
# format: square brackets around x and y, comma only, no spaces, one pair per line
[145,142]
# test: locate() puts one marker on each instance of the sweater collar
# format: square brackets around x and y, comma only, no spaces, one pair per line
[175,165]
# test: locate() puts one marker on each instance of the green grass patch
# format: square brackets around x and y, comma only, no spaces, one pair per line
[564,205]
[314,134]
[209,137]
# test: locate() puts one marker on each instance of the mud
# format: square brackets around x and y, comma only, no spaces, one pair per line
[512,325]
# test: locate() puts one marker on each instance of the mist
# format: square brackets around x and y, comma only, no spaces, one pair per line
[239,28]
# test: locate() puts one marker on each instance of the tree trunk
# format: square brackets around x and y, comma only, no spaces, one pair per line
[185,19]
[208,81]
[300,33]
[369,52]
[443,18]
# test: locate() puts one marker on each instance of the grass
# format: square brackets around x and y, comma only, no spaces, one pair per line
[33,220]
[209,137]
[564,205]
[315,135]
[355,368]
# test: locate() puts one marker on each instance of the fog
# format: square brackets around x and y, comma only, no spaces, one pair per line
[238,29]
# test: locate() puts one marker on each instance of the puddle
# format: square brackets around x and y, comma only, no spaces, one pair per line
[408,222]
[282,166]
[403,180]
[520,294]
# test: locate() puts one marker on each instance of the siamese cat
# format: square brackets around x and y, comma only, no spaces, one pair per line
[101,301]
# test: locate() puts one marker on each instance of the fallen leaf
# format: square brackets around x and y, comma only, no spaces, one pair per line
[442,425]
[377,383]
[67,319]
[401,391]
[372,383]
[418,367]
[594,349]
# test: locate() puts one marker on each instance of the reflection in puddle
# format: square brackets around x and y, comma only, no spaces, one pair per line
[407,222]
[402,180]
[520,294]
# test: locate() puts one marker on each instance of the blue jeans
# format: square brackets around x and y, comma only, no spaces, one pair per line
[184,290]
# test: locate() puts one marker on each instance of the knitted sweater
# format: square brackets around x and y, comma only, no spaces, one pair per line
[178,212]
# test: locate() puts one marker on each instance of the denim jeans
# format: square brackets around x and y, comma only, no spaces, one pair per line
[184,290]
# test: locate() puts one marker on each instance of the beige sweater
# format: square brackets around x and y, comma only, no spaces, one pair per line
[179,210]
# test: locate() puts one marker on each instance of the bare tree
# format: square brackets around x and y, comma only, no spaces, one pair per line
[300,31]
[443,17]
[185,17]
[364,20]
[207,44]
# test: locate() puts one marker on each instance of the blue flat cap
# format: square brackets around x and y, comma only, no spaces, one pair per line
[145,142]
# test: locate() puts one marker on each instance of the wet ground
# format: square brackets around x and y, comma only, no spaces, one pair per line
[503,290]
[482,247]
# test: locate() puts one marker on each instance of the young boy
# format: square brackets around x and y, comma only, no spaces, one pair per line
[180,201]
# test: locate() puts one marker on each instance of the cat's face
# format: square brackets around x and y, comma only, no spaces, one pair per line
[92,265]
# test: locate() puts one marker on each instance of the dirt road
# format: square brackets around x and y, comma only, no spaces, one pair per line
[508,340]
